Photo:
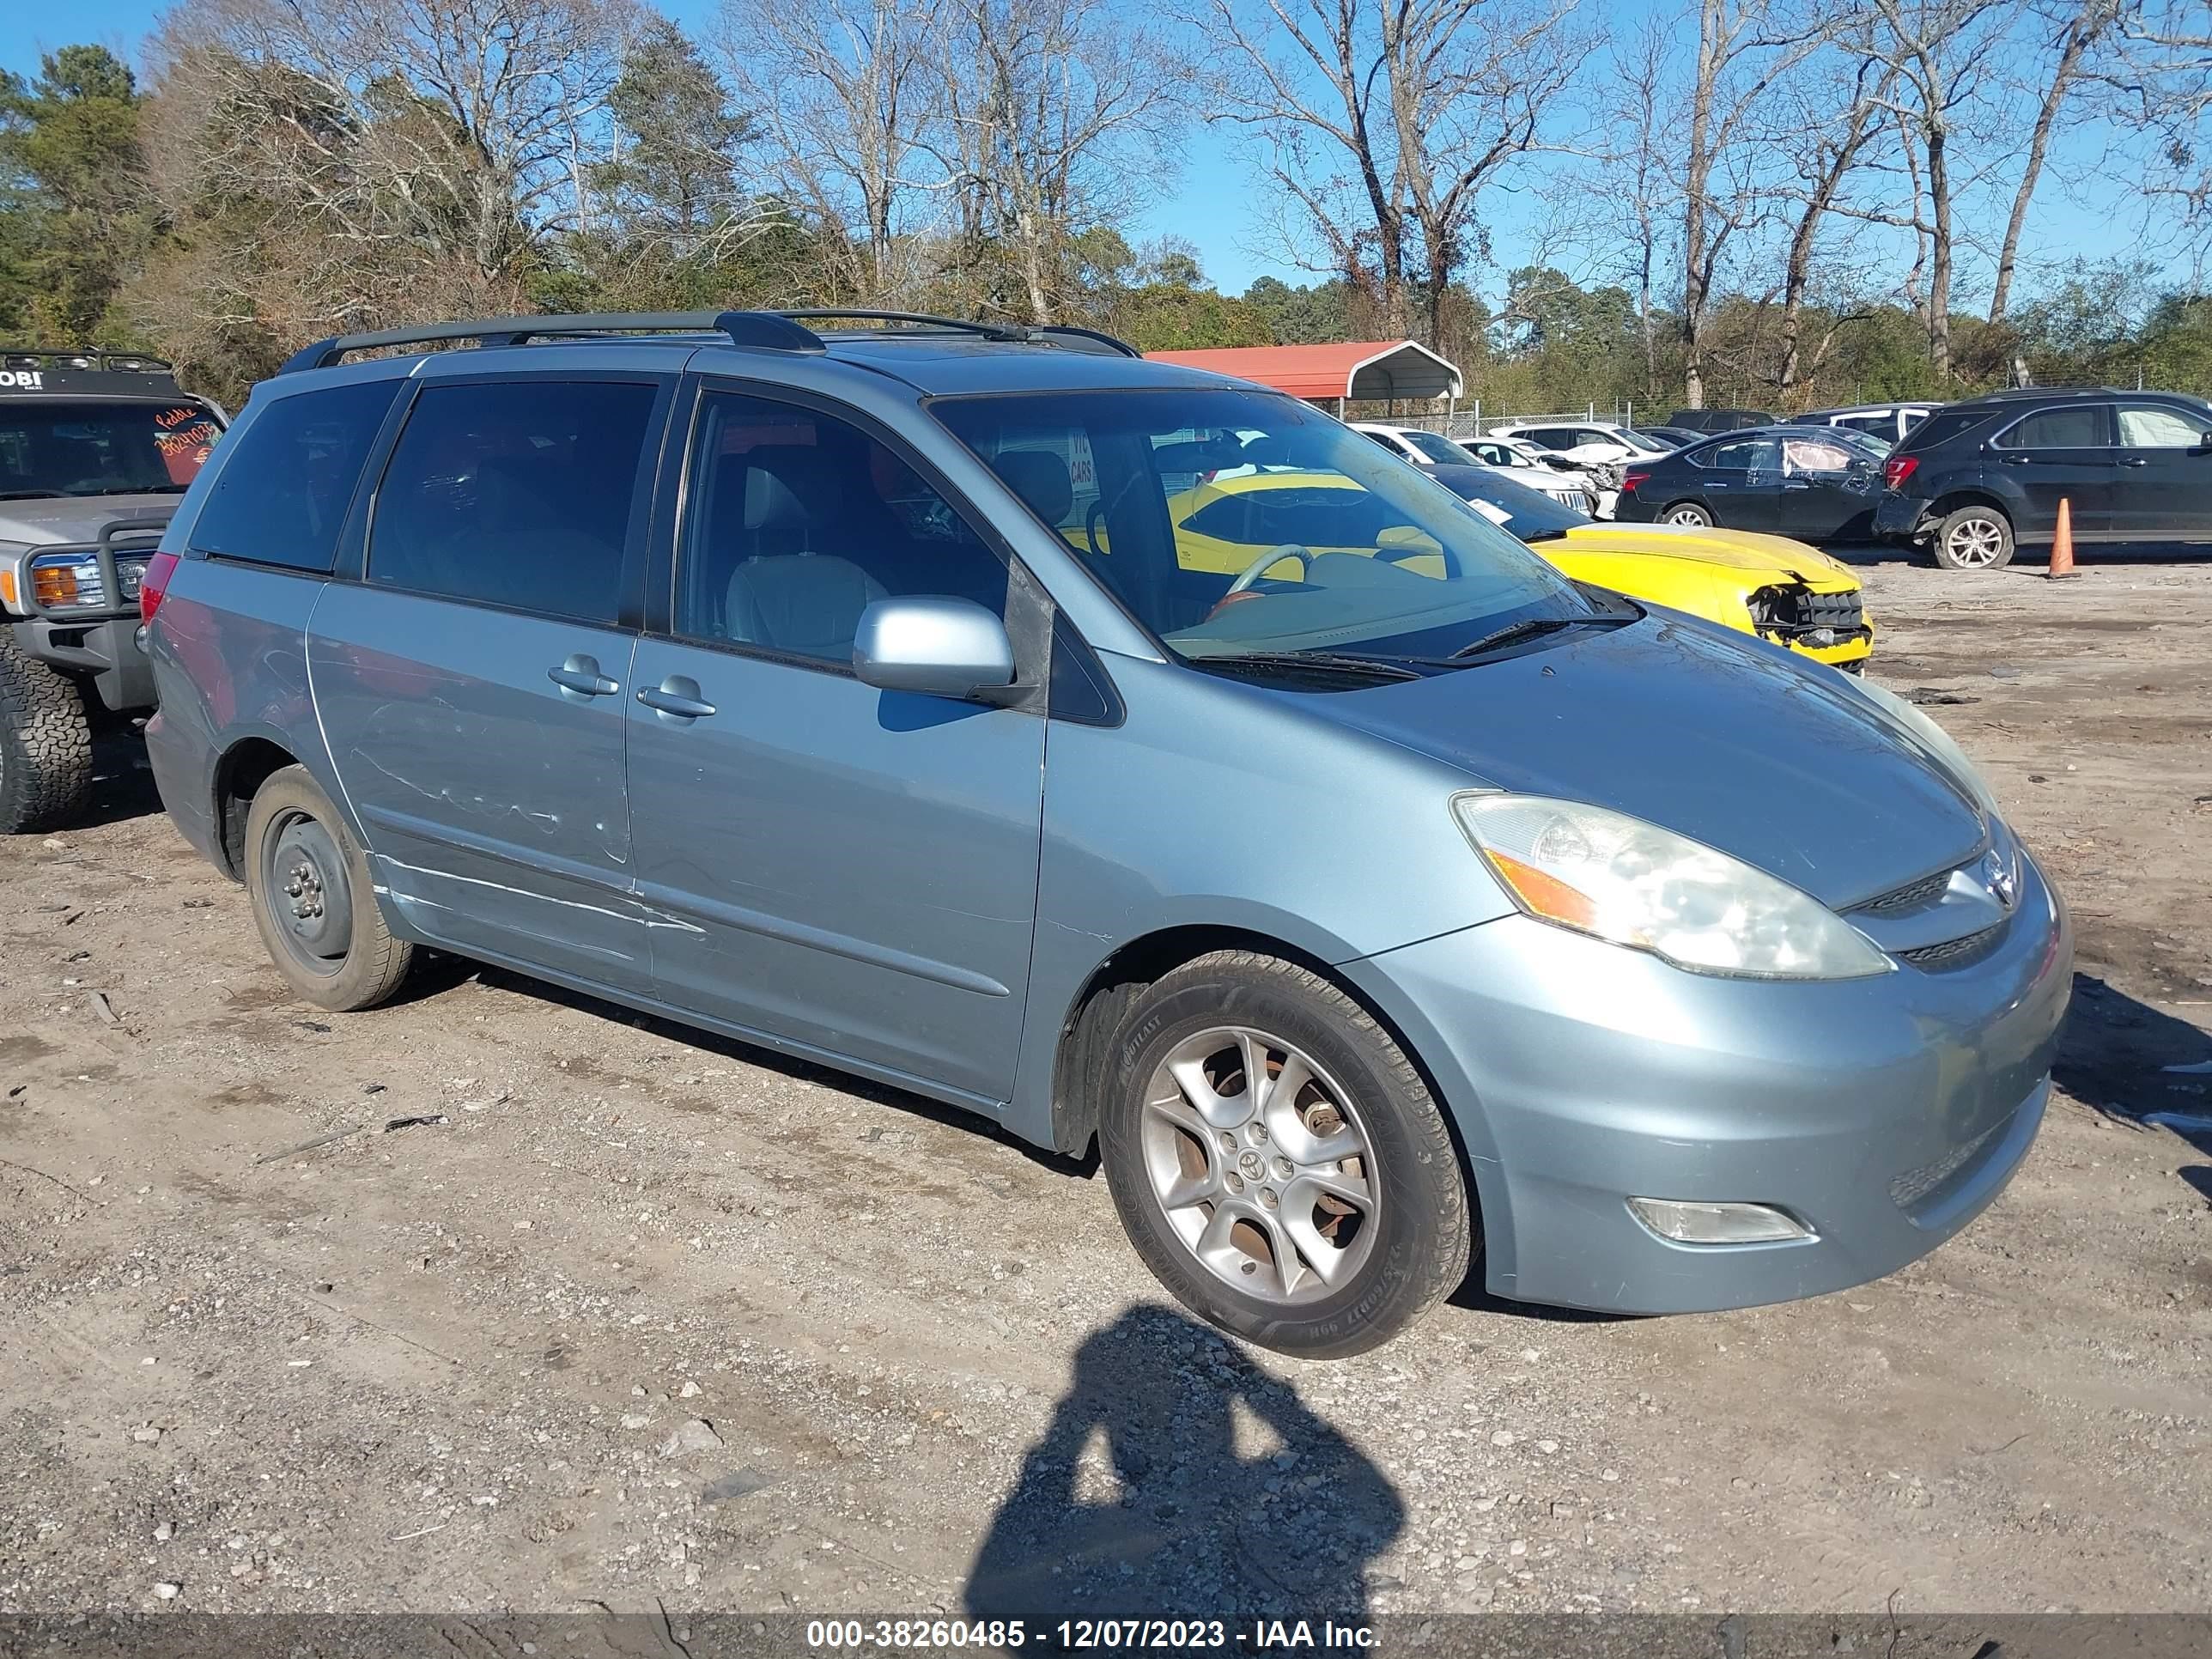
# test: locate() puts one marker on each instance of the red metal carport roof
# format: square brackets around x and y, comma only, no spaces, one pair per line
[1355,368]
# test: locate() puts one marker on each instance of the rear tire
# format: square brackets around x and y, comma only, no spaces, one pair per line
[1973,538]
[1687,513]
[45,743]
[315,901]
[1319,1223]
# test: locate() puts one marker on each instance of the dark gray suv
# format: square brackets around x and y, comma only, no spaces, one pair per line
[1130,756]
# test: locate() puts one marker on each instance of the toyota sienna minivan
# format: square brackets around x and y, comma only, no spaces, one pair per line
[1390,904]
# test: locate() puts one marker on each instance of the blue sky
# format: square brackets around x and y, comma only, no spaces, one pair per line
[1210,205]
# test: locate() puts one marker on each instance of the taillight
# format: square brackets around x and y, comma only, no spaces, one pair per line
[153,584]
[1897,468]
[1630,480]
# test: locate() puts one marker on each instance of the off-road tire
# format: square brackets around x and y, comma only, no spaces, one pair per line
[1426,1237]
[45,743]
[1944,544]
[375,962]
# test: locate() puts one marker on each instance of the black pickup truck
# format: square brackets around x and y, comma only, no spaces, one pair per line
[95,447]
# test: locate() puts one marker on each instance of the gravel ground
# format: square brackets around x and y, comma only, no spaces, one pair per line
[499,1298]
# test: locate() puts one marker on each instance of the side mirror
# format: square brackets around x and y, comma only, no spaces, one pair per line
[941,647]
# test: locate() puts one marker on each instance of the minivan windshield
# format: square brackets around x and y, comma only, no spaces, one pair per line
[141,447]
[1243,524]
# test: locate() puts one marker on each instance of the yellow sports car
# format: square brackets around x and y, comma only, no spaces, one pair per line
[1778,589]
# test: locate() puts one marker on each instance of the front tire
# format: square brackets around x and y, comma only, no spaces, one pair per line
[45,743]
[313,900]
[1319,1215]
[1973,538]
[1687,513]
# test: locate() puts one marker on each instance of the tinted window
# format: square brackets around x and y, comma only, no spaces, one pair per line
[2059,428]
[1552,437]
[1884,424]
[1739,457]
[288,477]
[798,520]
[516,492]
[1944,425]
[2155,426]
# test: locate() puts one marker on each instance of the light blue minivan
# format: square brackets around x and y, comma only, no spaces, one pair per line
[1392,903]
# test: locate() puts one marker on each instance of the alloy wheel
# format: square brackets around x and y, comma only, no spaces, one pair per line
[1261,1164]
[1975,542]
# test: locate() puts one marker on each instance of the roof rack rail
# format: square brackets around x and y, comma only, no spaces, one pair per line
[1010,332]
[763,330]
[1088,339]
[1067,334]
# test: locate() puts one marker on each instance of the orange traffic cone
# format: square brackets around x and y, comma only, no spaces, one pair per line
[2062,543]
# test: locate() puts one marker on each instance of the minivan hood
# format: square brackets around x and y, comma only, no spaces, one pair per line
[1781,765]
[61,520]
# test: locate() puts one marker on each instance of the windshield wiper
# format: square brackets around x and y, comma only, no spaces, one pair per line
[1527,627]
[1324,662]
[29,495]
[136,489]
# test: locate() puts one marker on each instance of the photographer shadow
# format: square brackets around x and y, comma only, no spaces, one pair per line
[1139,1504]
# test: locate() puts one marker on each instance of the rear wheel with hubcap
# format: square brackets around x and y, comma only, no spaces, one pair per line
[1685,513]
[1277,1159]
[312,898]
[1974,537]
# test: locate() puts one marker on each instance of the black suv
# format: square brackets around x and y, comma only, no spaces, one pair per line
[1975,479]
[1719,420]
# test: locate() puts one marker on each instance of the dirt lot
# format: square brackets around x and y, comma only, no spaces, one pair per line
[620,1315]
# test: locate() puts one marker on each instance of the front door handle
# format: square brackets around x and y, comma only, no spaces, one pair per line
[580,674]
[676,698]
[2135,460]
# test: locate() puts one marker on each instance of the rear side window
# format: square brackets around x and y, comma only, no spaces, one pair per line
[1744,456]
[287,478]
[2060,428]
[515,493]
[1944,425]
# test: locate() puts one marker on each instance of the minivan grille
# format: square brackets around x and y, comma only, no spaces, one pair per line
[1911,897]
[1954,952]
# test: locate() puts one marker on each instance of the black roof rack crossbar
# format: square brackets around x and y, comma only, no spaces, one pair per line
[761,329]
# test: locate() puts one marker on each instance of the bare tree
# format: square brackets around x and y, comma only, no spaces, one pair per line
[1387,119]
[1642,174]
[2080,27]
[1939,55]
[1827,137]
[387,149]
[846,93]
[1056,114]
[1744,48]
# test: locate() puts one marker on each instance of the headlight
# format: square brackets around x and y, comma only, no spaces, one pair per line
[1621,879]
[73,582]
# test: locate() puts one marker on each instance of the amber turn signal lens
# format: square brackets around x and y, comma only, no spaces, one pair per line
[53,585]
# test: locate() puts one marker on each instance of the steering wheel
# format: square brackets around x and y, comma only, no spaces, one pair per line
[1267,561]
[1091,520]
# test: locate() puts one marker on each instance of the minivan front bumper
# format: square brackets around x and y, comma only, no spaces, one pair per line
[1882,1114]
